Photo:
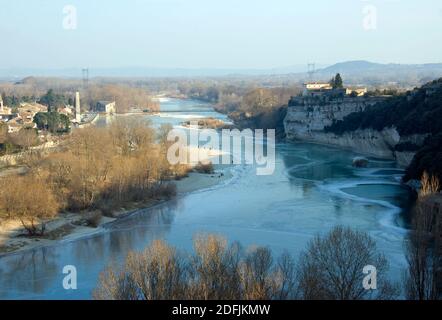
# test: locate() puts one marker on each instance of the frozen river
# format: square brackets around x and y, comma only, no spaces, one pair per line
[312,189]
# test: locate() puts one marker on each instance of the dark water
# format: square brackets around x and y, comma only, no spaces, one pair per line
[312,189]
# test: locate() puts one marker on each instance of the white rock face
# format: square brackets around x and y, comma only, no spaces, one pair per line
[315,117]
[307,123]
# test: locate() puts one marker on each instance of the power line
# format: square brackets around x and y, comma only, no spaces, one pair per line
[85,73]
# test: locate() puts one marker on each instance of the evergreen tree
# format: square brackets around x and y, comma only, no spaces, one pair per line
[338,83]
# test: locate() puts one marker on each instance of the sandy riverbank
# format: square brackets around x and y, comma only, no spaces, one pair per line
[70,226]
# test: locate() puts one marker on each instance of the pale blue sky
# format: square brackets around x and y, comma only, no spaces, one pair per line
[217,33]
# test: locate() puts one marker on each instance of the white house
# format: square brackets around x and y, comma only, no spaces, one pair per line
[105,107]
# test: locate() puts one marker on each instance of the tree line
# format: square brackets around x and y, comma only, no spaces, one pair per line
[330,268]
[56,93]
[93,169]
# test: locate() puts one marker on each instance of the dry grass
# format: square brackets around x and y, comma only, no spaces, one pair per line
[429,185]
[206,168]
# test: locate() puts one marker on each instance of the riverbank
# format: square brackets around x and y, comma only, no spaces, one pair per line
[71,226]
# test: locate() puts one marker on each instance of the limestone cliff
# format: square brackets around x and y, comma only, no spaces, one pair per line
[307,118]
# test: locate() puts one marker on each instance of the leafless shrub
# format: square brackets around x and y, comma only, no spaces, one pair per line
[214,269]
[331,268]
[93,219]
[32,158]
[285,278]
[27,199]
[256,275]
[155,274]
[116,284]
[206,167]
[25,138]
[106,210]
[166,190]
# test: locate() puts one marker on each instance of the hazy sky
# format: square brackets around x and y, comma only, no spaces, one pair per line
[217,33]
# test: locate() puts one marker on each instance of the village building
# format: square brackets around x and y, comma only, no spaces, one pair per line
[321,89]
[14,126]
[7,116]
[313,88]
[27,112]
[67,111]
[6,113]
[105,107]
[359,92]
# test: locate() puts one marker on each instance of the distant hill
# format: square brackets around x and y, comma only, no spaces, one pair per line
[361,66]
[378,73]
[353,66]
[147,72]
[353,72]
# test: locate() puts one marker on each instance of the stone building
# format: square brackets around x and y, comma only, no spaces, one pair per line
[359,92]
[313,88]
[105,107]
[5,112]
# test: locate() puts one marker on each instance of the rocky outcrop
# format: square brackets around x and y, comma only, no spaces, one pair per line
[272,119]
[306,120]
[307,115]
[370,142]
[404,158]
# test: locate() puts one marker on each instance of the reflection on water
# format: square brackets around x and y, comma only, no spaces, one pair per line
[313,189]
[38,273]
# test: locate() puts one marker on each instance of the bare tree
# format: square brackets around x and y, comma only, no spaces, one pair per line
[27,199]
[257,275]
[332,267]
[421,253]
[214,268]
[25,138]
[157,273]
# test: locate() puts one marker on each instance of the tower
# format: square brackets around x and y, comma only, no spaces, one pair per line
[1,103]
[77,107]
